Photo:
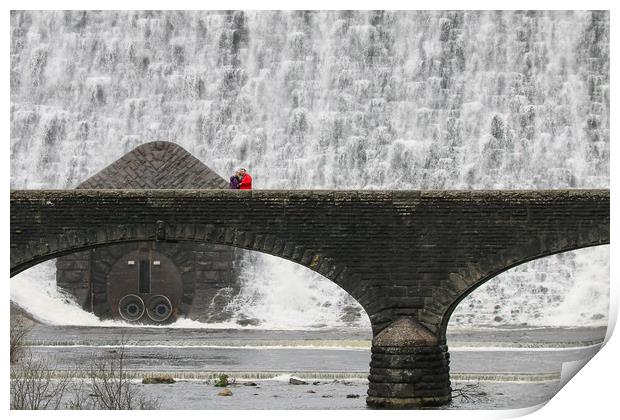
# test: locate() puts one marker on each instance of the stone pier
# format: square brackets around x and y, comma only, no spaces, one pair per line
[409,368]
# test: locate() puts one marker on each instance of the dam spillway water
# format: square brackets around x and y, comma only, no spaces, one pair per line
[344,100]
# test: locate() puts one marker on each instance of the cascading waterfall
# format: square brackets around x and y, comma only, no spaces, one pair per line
[344,100]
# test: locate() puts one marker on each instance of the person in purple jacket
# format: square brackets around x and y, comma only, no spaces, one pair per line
[234,181]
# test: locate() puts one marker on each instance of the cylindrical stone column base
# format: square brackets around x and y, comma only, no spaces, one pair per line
[409,368]
[409,377]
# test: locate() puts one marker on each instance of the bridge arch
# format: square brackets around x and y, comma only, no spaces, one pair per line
[499,267]
[81,240]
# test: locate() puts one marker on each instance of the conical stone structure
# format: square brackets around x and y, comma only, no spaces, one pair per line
[156,165]
[202,279]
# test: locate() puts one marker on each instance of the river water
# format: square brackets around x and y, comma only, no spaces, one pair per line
[507,367]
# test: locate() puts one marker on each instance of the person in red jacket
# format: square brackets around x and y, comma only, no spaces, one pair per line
[246,180]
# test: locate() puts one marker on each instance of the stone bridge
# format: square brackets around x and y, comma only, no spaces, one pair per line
[408,257]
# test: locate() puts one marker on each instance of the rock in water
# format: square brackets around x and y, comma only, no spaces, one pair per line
[244,321]
[295,381]
[162,379]
[225,392]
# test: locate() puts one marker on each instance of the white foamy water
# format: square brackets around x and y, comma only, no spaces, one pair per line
[298,306]
[569,289]
[35,291]
[280,293]
[394,100]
